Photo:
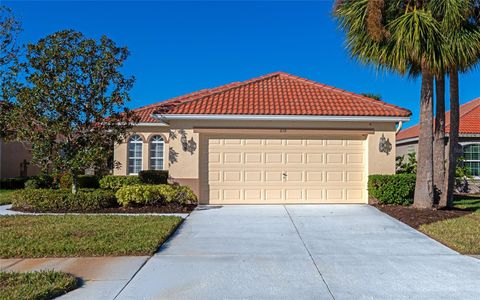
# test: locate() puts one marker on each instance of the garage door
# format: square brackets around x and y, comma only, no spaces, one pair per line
[256,170]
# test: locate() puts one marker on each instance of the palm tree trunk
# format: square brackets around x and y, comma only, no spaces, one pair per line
[424,183]
[453,137]
[439,142]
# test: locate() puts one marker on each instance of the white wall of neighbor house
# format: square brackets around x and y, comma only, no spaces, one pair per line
[182,144]
[411,146]
[405,148]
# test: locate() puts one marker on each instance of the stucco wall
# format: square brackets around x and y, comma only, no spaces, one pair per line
[12,155]
[182,144]
[381,162]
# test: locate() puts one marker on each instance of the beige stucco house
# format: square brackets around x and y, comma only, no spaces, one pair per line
[273,139]
[15,160]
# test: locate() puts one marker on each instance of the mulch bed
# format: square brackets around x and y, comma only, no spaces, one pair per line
[167,208]
[415,217]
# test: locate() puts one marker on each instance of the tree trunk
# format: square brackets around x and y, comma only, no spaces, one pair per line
[439,143]
[452,137]
[74,183]
[424,183]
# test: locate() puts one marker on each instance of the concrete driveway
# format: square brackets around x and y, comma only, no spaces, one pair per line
[302,252]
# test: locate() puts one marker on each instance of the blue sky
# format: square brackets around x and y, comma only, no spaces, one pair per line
[181,47]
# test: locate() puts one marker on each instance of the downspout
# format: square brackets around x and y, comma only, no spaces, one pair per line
[400,125]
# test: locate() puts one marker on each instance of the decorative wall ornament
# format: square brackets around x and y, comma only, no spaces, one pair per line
[384,145]
[172,156]
[188,145]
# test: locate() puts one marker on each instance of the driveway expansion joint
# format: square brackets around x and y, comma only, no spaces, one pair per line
[308,251]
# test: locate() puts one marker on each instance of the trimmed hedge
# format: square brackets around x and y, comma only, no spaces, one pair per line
[12,183]
[184,195]
[39,182]
[155,195]
[145,194]
[115,182]
[392,189]
[153,176]
[84,181]
[62,200]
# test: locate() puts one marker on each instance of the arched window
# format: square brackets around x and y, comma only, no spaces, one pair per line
[471,154]
[135,144]
[156,153]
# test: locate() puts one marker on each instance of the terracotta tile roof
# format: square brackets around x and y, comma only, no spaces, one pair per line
[274,94]
[469,121]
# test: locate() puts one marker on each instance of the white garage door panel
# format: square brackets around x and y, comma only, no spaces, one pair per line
[272,170]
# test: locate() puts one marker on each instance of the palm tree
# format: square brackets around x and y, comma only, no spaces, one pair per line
[461,27]
[439,139]
[405,38]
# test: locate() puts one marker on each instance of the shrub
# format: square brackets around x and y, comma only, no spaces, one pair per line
[33,183]
[12,183]
[153,176]
[392,189]
[409,166]
[184,195]
[116,182]
[84,181]
[39,182]
[145,194]
[62,200]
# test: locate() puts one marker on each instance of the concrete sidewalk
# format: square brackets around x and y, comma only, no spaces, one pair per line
[103,277]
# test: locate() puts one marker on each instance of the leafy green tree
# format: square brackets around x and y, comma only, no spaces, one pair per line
[71,104]
[9,29]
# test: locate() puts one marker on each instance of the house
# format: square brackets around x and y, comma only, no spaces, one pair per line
[15,160]
[469,139]
[278,138]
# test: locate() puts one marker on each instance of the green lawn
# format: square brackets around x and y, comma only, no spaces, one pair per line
[73,235]
[461,234]
[35,285]
[5,196]
[468,202]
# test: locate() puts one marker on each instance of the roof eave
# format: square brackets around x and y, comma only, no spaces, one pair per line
[230,117]
[153,124]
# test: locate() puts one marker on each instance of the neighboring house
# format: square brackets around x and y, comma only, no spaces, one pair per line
[274,139]
[15,160]
[407,140]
